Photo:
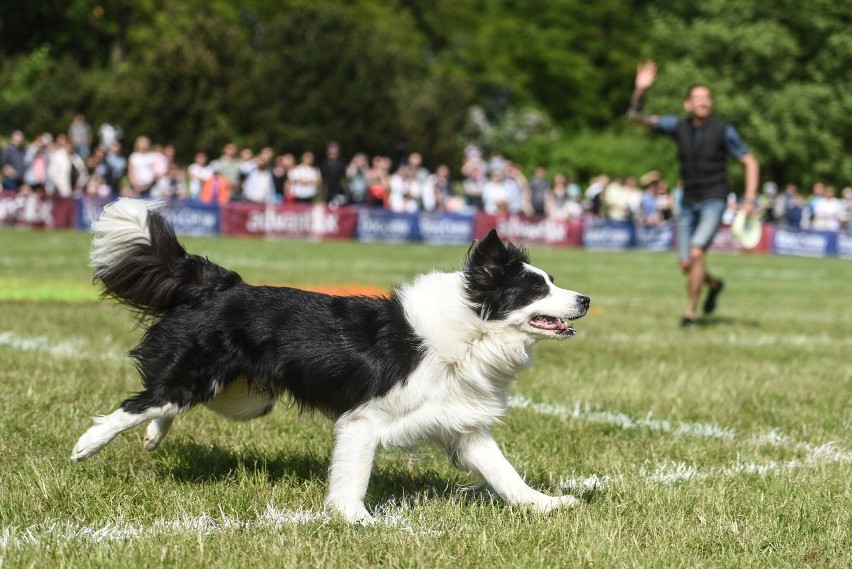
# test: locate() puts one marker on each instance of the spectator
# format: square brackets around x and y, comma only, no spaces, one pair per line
[495,194]
[420,172]
[96,186]
[561,202]
[115,167]
[171,186]
[616,199]
[404,191]
[80,135]
[333,173]
[536,194]
[305,180]
[198,173]
[795,209]
[594,200]
[108,134]
[847,207]
[142,167]
[649,183]
[782,202]
[516,186]
[247,166]
[438,188]
[228,165]
[357,175]
[60,168]
[36,161]
[828,211]
[259,186]
[216,189]
[12,162]
[473,187]
[280,176]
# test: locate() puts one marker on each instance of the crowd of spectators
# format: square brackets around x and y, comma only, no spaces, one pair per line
[72,165]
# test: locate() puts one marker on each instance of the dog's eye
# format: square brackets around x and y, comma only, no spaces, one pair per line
[538,287]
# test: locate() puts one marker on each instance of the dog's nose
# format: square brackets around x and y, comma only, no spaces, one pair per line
[584,301]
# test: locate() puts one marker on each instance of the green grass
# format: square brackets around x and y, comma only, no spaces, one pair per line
[724,446]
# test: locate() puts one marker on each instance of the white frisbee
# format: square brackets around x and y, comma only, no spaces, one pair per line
[747,230]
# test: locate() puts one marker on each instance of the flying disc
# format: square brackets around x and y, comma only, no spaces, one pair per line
[747,230]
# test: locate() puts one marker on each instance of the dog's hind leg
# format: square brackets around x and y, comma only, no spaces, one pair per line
[156,431]
[129,415]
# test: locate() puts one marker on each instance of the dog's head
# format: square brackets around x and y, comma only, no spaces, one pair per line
[501,285]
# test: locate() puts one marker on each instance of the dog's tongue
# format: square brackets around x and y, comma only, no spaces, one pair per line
[548,323]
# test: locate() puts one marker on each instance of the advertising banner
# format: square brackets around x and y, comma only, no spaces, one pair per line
[301,221]
[189,218]
[844,245]
[446,228]
[609,235]
[655,237]
[537,230]
[34,209]
[387,226]
[804,242]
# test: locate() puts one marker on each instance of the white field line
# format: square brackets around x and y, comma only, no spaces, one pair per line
[585,412]
[744,340]
[389,515]
[64,349]
[675,472]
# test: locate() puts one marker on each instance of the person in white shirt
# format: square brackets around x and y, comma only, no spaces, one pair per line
[259,185]
[828,211]
[305,180]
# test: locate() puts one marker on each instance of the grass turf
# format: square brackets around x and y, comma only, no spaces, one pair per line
[727,445]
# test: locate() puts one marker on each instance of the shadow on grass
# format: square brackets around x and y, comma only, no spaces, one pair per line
[712,321]
[189,461]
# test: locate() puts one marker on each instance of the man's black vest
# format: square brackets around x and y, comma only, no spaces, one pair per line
[703,162]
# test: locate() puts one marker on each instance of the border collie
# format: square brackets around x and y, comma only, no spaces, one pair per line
[433,361]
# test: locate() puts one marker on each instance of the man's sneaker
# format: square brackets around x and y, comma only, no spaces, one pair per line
[686,323]
[712,295]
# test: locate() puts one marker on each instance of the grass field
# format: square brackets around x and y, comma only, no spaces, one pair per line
[729,445]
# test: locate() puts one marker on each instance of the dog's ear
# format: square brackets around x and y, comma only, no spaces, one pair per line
[490,252]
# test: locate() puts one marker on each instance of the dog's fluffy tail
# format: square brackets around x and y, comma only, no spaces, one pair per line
[140,262]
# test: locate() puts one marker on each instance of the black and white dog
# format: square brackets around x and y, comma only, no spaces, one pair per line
[434,361]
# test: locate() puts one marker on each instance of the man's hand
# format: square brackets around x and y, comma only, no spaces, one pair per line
[646,74]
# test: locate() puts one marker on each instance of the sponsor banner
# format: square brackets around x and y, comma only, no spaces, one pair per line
[609,235]
[844,245]
[36,210]
[533,230]
[301,221]
[805,243]
[383,225]
[655,237]
[446,228]
[89,209]
[190,218]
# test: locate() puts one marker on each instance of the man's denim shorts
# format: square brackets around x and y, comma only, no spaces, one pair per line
[697,225]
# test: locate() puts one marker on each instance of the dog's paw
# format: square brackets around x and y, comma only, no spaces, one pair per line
[556,502]
[354,513]
[90,443]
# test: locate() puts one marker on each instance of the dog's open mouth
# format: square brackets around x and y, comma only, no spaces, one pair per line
[552,324]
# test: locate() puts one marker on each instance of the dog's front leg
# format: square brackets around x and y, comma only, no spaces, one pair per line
[478,452]
[356,440]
